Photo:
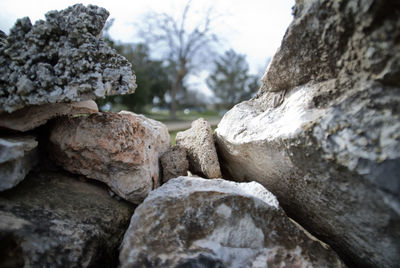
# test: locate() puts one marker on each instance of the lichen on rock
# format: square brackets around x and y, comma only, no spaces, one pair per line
[60,59]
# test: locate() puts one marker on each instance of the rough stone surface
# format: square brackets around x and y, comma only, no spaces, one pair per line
[121,150]
[61,59]
[55,220]
[174,163]
[195,222]
[34,116]
[199,144]
[18,155]
[323,132]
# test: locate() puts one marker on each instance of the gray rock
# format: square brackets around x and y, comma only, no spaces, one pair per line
[34,116]
[328,39]
[323,132]
[199,144]
[18,155]
[55,220]
[174,163]
[61,59]
[196,222]
[121,150]
[3,38]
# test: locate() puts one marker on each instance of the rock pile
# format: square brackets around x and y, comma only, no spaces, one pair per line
[321,135]
[50,72]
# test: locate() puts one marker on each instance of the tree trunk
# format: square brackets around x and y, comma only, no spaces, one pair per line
[176,87]
[172,111]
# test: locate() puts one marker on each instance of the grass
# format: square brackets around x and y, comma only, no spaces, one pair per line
[163,116]
[172,134]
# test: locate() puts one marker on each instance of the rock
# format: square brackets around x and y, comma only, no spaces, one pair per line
[174,163]
[3,38]
[18,155]
[34,116]
[61,59]
[55,220]
[323,132]
[121,150]
[198,142]
[195,222]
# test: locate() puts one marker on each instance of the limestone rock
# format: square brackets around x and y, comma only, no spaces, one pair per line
[18,155]
[195,222]
[55,220]
[121,150]
[198,142]
[323,132]
[34,116]
[174,163]
[61,59]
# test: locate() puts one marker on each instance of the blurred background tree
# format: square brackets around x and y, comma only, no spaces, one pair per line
[185,48]
[230,79]
[181,51]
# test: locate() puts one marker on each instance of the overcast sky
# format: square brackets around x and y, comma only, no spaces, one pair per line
[251,27]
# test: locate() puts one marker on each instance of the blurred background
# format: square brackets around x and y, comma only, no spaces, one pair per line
[191,58]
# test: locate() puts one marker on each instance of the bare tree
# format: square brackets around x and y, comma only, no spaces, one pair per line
[185,47]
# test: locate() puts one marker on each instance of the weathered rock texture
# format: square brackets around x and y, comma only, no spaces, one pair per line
[323,132]
[55,220]
[18,155]
[61,59]
[199,144]
[195,222]
[34,116]
[121,150]
[174,163]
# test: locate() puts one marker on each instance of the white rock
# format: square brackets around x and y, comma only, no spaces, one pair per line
[195,222]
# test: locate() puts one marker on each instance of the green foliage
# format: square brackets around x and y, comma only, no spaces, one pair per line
[230,80]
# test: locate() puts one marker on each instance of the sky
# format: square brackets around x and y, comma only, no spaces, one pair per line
[251,27]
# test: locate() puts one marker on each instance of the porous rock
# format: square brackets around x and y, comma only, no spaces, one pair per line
[199,144]
[60,59]
[323,132]
[174,163]
[55,220]
[196,222]
[121,150]
[18,155]
[34,116]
